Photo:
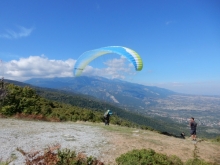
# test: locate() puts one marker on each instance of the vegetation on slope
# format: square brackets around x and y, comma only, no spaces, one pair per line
[54,155]
[96,105]
[59,105]
[149,156]
[25,102]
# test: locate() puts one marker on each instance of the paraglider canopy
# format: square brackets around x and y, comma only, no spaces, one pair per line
[109,112]
[89,56]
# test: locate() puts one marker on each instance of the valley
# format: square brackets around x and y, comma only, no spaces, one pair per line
[180,108]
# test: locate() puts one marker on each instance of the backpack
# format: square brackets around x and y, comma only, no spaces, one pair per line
[106,113]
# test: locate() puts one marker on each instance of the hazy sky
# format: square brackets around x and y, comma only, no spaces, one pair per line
[178,40]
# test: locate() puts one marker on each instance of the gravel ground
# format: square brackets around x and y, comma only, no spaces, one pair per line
[37,135]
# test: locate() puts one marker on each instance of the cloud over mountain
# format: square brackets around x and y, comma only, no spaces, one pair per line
[42,67]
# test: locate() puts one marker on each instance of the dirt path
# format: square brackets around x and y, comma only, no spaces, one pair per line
[104,142]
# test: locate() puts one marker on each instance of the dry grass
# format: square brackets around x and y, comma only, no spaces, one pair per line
[124,139]
[183,148]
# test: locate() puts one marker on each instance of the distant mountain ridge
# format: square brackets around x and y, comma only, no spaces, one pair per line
[111,90]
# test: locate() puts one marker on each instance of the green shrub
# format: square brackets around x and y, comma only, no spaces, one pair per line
[143,157]
[8,110]
[67,157]
[150,157]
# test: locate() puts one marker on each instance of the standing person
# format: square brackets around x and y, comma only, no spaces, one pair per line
[193,126]
[2,83]
[107,117]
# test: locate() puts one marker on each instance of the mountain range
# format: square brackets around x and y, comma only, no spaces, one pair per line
[126,94]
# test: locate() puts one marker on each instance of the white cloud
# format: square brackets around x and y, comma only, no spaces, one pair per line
[115,68]
[42,67]
[21,32]
[37,66]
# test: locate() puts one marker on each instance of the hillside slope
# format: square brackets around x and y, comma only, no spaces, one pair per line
[157,103]
[104,142]
[89,108]
[67,106]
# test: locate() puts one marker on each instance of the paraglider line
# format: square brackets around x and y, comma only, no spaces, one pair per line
[78,68]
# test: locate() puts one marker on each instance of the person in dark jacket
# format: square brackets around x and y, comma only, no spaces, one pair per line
[193,126]
[2,83]
[107,117]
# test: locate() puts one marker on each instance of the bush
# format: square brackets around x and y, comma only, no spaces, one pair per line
[143,157]
[67,157]
[54,156]
[8,110]
[150,157]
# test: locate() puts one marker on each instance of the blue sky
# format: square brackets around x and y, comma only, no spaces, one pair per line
[179,41]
